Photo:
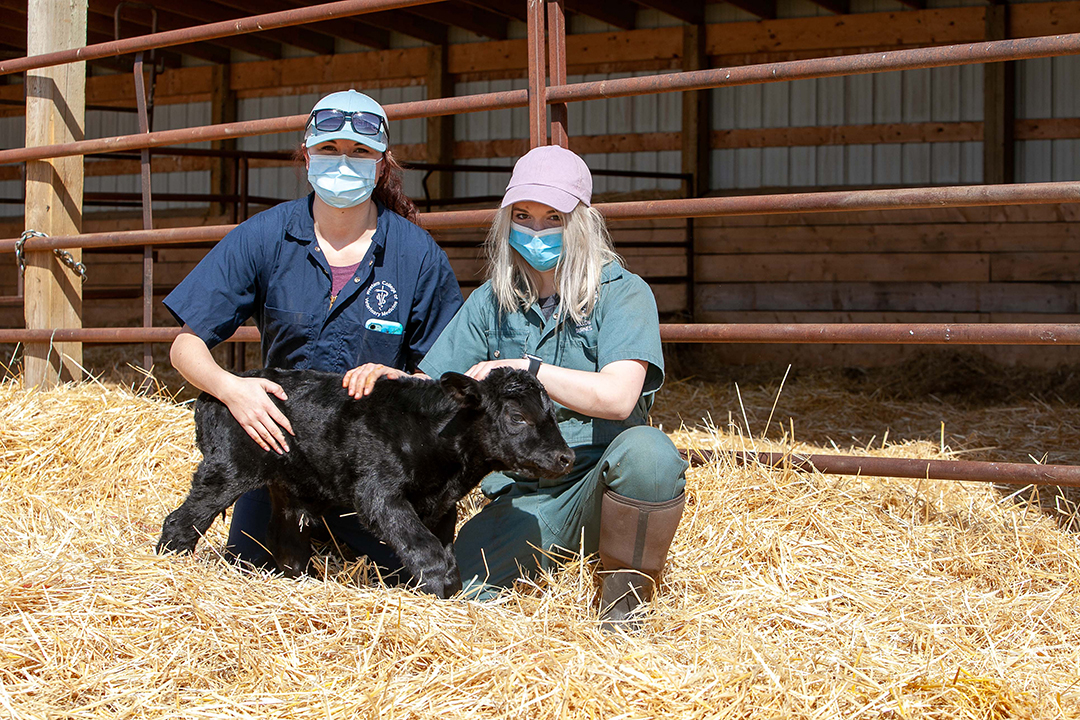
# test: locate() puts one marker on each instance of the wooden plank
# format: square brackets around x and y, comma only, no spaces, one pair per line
[1065,212]
[1047,18]
[1047,129]
[55,113]
[914,238]
[848,267]
[924,27]
[809,136]
[880,297]
[1051,267]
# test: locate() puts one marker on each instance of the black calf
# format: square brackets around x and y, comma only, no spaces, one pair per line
[402,457]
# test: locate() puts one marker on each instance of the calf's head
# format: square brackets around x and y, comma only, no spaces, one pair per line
[514,421]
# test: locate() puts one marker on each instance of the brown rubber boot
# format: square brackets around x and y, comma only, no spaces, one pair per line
[634,539]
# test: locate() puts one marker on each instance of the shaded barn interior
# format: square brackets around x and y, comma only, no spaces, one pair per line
[895,129]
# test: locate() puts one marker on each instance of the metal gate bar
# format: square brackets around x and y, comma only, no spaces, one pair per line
[807,333]
[995,472]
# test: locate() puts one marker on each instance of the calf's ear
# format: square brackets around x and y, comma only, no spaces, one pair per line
[462,388]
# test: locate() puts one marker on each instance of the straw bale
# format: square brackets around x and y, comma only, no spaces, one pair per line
[786,596]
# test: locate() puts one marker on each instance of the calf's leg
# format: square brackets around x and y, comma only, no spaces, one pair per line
[211,493]
[424,555]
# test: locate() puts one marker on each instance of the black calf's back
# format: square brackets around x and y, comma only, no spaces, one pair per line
[401,457]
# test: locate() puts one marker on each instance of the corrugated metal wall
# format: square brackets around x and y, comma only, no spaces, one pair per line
[1045,88]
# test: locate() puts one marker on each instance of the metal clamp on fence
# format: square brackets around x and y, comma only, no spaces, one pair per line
[63,255]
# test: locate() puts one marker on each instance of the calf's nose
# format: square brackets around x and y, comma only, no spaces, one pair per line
[565,460]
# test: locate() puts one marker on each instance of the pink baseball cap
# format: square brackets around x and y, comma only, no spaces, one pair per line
[551,175]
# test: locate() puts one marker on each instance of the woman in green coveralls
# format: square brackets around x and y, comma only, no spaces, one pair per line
[559,304]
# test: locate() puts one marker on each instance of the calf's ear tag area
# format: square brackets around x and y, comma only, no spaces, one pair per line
[462,388]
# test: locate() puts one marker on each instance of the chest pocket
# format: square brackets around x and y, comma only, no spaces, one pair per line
[380,347]
[578,346]
[285,336]
[506,343]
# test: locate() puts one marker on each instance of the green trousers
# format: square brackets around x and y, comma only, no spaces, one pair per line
[528,522]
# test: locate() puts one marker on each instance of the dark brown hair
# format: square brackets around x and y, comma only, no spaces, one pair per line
[390,192]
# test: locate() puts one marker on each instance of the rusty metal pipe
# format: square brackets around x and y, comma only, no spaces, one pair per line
[122,238]
[266,126]
[537,81]
[846,201]
[875,333]
[838,201]
[120,335]
[815,333]
[967,470]
[210,31]
[862,64]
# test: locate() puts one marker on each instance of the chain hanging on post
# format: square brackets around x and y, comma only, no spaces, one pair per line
[63,255]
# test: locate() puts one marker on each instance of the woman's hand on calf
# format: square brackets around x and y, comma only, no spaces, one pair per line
[248,399]
[360,380]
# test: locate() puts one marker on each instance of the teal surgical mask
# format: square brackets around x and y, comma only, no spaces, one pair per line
[540,248]
[342,181]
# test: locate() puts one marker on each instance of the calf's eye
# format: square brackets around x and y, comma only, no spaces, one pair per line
[518,418]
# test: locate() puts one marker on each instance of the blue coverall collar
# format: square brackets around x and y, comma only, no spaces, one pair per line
[300,225]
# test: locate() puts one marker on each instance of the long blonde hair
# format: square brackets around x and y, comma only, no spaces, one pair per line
[586,249]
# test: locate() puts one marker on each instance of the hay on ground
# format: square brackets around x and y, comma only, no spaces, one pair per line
[786,596]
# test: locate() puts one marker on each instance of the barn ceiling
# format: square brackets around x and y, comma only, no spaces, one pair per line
[428,23]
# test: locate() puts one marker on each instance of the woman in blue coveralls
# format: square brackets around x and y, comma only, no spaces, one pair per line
[335,281]
[559,304]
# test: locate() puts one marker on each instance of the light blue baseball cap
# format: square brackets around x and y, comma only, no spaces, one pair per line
[357,117]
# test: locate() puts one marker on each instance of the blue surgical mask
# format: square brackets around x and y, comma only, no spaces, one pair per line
[539,248]
[342,181]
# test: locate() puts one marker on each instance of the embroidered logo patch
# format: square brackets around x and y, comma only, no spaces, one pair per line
[381,298]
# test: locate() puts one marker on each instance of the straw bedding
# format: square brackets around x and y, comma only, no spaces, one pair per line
[786,596]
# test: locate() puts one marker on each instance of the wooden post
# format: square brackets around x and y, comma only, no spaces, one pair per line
[999,106]
[440,130]
[696,133]
[222,110]
[55,113]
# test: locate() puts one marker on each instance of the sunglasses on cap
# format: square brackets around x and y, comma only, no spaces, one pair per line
[330,120]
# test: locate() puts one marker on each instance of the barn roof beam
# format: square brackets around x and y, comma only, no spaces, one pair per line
[689,11]
[168,21]
[622,15]
[509,10]
[838,7]
[464,16]
[202,11]
[764,9]
[343,28]
[98,30]
[411,25]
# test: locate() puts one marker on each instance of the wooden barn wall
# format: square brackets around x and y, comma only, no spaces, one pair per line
[974,265]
